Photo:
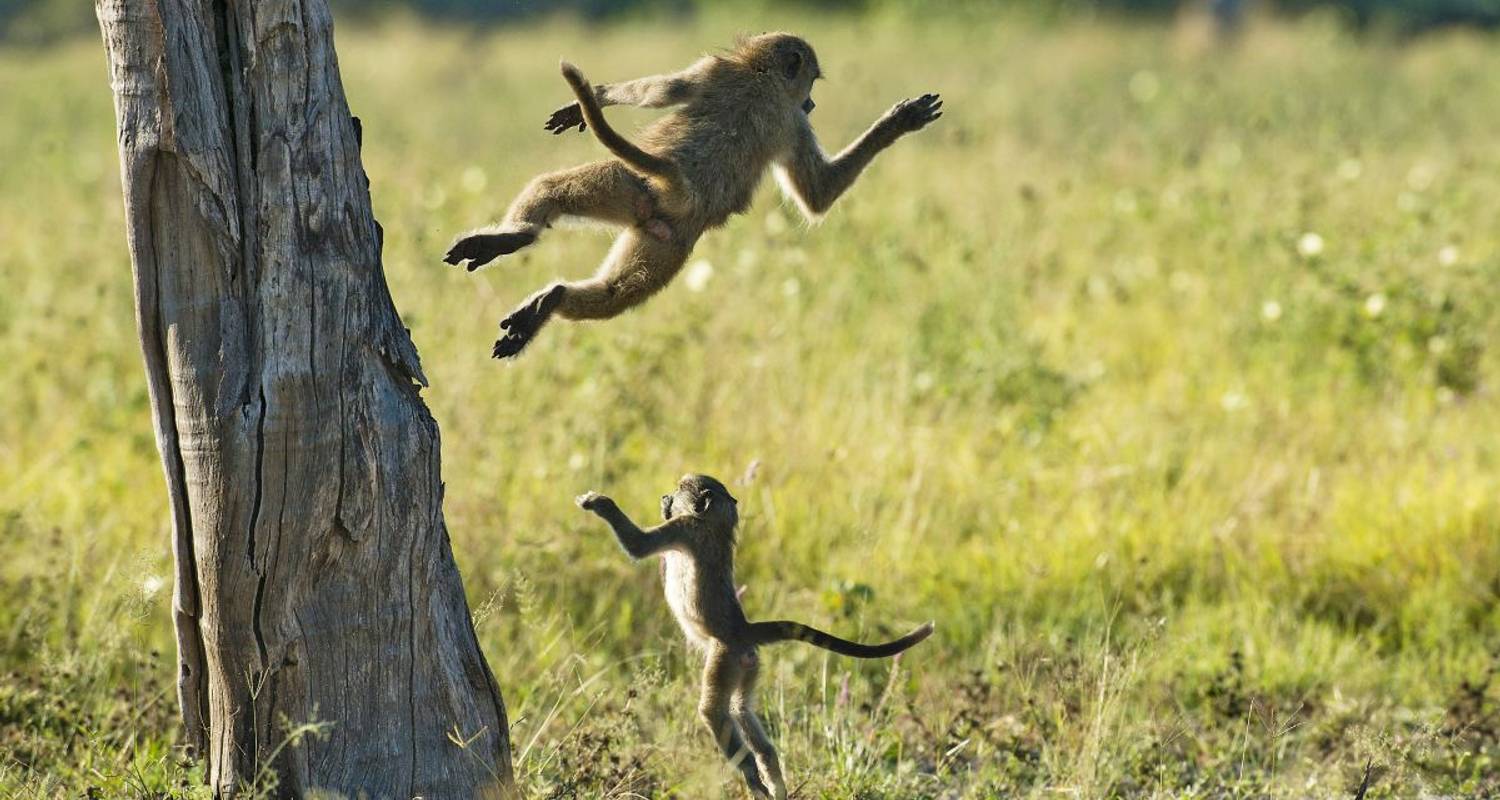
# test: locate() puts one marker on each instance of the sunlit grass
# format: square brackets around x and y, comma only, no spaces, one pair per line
[1161,377]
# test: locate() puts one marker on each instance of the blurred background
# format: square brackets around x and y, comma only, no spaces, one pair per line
[1160,372]
[44,19]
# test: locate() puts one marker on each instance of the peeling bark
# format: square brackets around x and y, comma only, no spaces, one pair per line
[314,577]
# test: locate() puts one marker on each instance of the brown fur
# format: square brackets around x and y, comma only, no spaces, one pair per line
[696,543]
[736,114]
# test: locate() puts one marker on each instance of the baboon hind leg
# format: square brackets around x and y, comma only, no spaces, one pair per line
[742,708]
[638,265]
[603,191]
[720,677]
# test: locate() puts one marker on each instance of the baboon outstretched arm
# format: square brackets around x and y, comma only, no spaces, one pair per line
[814,180]
[637,543]
[653,91]
[656,91]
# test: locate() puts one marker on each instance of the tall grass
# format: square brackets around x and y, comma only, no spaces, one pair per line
[1203,505]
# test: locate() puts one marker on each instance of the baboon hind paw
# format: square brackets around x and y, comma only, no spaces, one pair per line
[523,323]
[482,248]
[517,331]
[510,345]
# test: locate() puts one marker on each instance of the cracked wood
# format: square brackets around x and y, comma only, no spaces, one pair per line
[314,578]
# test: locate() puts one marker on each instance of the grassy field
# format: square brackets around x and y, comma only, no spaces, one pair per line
[1163,378]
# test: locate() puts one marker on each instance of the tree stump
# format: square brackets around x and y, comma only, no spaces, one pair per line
[315,582]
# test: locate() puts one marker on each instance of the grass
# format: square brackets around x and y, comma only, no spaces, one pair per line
[1204,506]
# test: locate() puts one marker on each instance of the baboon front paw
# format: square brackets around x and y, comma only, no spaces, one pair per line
[588,501]
[914,115]
[566,118]
[481,248]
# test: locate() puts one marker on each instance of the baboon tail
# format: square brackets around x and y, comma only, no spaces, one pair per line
[788,631]
[617,144]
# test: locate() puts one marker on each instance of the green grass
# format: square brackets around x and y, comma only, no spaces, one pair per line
[1198,514]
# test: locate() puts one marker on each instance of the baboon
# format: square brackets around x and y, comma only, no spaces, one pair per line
[696,541]
[738,113]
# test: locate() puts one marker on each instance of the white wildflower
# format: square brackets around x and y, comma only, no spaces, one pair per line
[474,180]
[698,274]
[1310,245]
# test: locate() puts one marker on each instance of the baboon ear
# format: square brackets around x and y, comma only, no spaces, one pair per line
[791,64]
[702,503]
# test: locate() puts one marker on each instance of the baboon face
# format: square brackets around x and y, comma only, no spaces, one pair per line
[792,60]
[799,67]
[702,496]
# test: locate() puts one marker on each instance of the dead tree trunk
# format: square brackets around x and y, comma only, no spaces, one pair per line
[315,582]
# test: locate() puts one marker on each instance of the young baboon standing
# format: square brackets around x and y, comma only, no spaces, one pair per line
[737,114]
[696,542]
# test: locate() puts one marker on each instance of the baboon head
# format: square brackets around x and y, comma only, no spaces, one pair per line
[789,58]
[701,496]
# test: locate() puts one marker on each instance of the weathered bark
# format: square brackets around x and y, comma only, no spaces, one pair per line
[315,581]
